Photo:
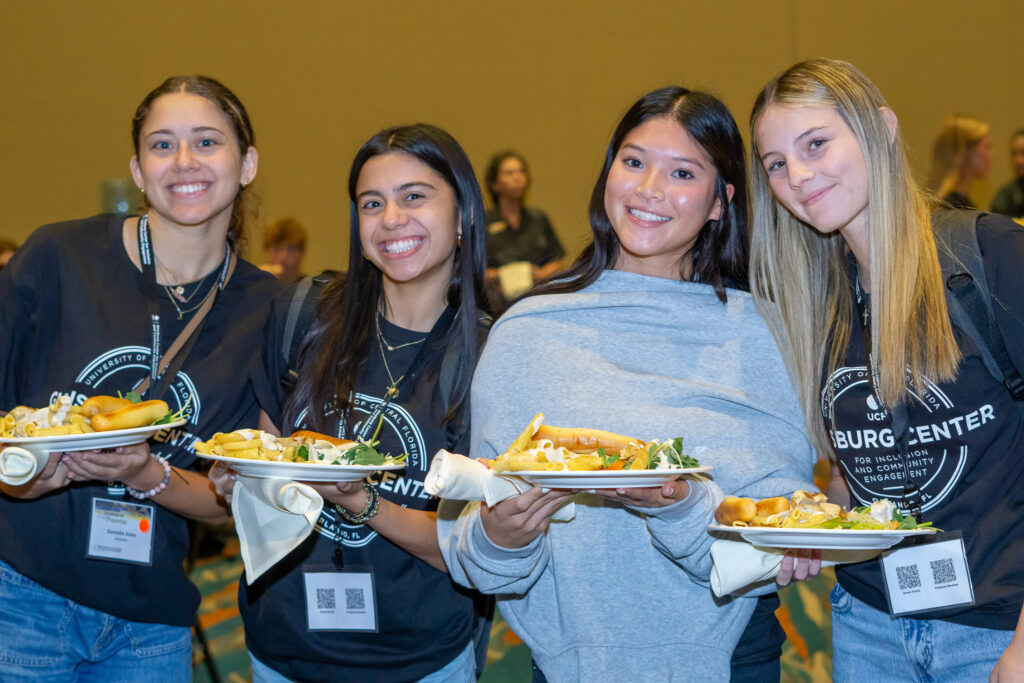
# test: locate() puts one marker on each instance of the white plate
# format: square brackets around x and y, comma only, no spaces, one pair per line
[90,441]
[825,539]
[603,479]
[297,471]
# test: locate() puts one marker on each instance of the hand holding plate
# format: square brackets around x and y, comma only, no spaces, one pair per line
[669,493]
[516,521]
[800,565]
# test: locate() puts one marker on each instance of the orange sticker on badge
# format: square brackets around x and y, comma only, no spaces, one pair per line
[144,525]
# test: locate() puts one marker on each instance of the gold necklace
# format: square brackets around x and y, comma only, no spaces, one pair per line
[392,390]
[382,340]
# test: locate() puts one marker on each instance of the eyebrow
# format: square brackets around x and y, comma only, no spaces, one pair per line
[197,129]
[689,160]
[400,188]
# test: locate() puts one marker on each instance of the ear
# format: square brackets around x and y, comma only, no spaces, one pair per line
[133,164]
[250,163]
[718,209]
[891,122]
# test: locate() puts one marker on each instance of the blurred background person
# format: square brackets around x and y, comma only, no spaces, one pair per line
[284,247]
[522,247]
[961,154]
[1009,200]
[7,249]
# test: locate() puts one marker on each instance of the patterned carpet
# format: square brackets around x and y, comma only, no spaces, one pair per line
[805,614]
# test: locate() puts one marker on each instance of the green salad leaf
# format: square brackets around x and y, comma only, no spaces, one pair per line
[673,451]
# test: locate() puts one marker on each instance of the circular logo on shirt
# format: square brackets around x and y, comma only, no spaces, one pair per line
[862,436]
[123,367]
[398,430]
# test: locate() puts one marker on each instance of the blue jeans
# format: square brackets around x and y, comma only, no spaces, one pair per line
[868,645]
[49,638]
[462,669]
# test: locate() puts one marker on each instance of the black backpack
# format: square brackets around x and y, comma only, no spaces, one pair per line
[967,295]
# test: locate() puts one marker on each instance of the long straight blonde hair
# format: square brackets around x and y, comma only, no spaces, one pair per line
[800,277]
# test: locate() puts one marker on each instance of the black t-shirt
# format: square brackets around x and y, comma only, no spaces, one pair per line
[535,240]
[424,620]
[966,449]
[74,320]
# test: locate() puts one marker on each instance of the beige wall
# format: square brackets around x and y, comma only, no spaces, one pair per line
[548,77]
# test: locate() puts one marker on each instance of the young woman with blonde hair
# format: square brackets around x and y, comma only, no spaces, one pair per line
[846,270]
[961,154]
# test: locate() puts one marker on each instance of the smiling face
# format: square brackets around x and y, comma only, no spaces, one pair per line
[408,221]
[815,167]
[660,192]
[189,163]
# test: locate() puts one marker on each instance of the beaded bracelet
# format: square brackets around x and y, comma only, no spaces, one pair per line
[364,515]
[142,495]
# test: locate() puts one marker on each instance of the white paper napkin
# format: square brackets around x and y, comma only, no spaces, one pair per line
[272,516]
[457,477]
[738,564]
[19,465]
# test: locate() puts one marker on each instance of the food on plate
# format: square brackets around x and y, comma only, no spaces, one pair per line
[541,448]
[96,414]
[131,416]
[103,404]
[301,447]
[806,510]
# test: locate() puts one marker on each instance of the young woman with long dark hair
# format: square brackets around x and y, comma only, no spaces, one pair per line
[389,356]
[649,334]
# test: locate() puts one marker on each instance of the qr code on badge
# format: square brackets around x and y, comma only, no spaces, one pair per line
[325,598]
[943,571]
[354,598]
[908,577]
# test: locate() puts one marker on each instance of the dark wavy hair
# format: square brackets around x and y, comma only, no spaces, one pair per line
[721,251]
[232,107]
[331,354]
[494,165]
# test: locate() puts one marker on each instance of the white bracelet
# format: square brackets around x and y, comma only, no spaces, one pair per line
[142,495]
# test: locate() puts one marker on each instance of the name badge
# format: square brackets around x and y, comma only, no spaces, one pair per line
[340,601]
[122,531]
[928,576]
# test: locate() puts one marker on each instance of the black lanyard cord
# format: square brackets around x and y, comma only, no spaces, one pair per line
[898,417]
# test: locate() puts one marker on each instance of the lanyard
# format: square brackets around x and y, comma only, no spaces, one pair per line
[157,381]
[369,425]
[898,417]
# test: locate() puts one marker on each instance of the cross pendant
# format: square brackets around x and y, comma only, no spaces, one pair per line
[866,312]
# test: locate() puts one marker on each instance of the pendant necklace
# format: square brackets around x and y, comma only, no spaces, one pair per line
[392,390]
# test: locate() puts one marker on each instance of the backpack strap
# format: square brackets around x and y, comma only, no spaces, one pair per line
[299,320]
[458,427]
[967,294]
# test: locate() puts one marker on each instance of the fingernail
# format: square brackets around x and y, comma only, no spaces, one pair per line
[545,490]
[591,490]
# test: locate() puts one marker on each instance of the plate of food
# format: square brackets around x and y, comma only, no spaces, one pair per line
[303,456]
[29,435]
[808,520]
[579,458]
[99,422]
